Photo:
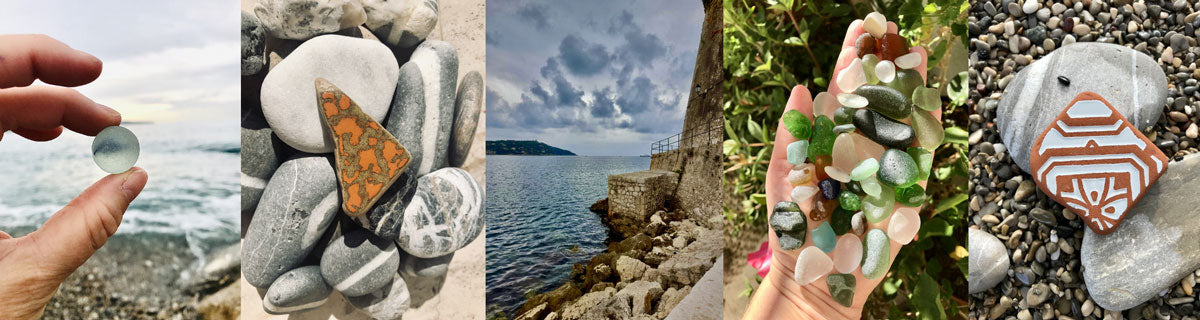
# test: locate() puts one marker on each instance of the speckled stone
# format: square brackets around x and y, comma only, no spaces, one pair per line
[401,23]
[304,19]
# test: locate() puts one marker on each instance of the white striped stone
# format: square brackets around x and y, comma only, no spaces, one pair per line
[296,208]
[445,214]
[297,290]
[359,263]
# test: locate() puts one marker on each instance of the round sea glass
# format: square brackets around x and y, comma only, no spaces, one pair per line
[115,149]
[848,253]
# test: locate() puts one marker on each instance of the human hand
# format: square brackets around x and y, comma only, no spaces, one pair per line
[779,296]
[32,267]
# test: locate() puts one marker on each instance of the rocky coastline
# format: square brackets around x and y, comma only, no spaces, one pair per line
[649,267]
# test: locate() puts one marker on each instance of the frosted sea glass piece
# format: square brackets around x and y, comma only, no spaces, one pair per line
[115,149]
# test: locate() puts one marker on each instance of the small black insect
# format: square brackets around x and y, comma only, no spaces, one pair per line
[1064,81]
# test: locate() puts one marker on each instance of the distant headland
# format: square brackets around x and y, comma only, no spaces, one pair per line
[524,148]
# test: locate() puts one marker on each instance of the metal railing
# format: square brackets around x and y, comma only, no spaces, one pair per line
[712,132]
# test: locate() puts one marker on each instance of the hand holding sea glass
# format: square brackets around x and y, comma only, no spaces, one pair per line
[842,260]
[34,265]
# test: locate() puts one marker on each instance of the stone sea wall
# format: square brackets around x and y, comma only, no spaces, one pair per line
[634,196]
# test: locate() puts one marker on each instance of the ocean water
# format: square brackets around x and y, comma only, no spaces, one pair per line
[193,189]
[537,212]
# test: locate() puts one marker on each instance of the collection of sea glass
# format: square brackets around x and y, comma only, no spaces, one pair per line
[860,162]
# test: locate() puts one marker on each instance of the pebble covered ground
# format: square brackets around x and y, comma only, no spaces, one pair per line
[1043,239]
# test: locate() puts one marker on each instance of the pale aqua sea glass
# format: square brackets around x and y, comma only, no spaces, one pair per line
[115,149]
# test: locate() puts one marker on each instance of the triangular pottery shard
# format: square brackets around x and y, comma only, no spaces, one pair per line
[369,159]
[1093,161]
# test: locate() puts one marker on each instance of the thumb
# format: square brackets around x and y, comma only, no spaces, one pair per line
[72,234]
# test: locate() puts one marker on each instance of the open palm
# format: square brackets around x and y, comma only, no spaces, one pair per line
[780,296]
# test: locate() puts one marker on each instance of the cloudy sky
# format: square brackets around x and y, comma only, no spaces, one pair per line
[593,77]
[164,61]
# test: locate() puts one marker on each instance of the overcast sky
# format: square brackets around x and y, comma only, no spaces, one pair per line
[164,61]
[592,77]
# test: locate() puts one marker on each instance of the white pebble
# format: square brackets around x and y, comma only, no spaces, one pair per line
[875,24]
[908,61]
[885,71]
[1030,6]
[852,100]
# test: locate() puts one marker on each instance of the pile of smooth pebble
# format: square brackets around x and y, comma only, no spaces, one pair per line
[884,110]
[297,248]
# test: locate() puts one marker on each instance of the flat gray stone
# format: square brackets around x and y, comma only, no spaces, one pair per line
[467,109]
[297,206]
[297,290]
[444,215]
[989,261]
[365,70]
[1130,80]
[304,19]
[359,263]
[422,108]
[387,303]
[401,23]
[1155,246]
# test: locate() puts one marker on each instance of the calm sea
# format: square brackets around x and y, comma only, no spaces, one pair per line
[537,213]
[193,190]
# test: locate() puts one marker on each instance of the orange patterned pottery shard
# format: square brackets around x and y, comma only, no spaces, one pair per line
[1093,161]
[369,159]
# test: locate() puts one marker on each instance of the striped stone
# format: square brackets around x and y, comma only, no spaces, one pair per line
[298,204]
[1095,162]
[359,263]
[422,109]
[444,215]
[297,290]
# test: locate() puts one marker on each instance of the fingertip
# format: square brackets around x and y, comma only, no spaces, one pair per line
[135,181]
[921,68]
[892,28]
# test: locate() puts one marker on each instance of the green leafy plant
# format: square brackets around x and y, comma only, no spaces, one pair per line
[773,45]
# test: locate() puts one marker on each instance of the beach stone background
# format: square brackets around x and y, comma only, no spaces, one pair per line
[462,24]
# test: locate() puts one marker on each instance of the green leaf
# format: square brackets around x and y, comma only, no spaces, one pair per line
[956,135]
[950,203]
[759,198]
[927,298]
[958,90]
[755,129]
[936,227]
[729,146]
